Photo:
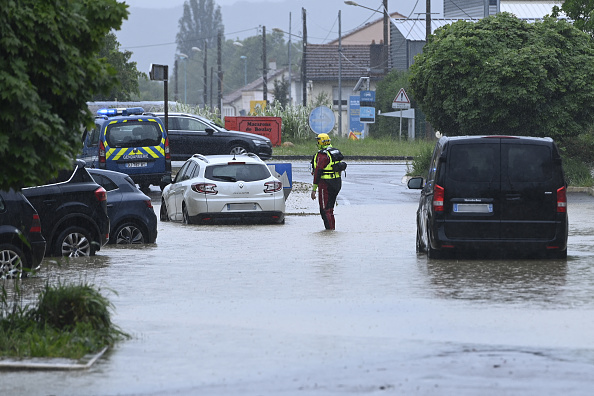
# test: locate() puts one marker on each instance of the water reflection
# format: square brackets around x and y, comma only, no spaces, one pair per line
[504,281]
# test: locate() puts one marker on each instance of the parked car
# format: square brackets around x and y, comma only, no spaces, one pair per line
[73,212]
[125,140]
[493,192]
[223,187]
[22,245]
[131,214]
[190,134]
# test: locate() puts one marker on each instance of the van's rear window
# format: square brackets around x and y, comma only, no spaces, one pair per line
[128,134]
[529,163]
[474,162]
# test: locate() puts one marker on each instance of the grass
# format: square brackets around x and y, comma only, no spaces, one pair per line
[363,147]
[69,321]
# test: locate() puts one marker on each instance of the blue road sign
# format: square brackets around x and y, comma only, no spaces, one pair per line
[321,120]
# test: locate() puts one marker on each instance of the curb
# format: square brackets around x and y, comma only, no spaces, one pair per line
[51,363]
[586,190]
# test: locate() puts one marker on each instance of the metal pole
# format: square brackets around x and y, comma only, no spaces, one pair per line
[339,76]
[290,65]
[204,97]
[264,67]
[186,81]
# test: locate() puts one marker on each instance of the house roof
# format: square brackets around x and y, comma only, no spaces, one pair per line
[257,84]
[527,9]
[322,61]
[366,26]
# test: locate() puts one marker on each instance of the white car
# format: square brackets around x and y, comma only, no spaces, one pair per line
[231,188]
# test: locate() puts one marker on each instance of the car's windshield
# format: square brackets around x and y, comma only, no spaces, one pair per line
[234,172]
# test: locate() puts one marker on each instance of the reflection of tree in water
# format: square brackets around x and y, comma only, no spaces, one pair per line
[505,281]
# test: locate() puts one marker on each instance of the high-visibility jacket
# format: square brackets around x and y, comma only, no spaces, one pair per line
[328,171]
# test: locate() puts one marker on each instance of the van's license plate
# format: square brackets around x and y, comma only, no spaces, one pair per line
[135,164]
[473,208]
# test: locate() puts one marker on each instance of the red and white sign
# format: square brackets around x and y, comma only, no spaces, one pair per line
[401,100]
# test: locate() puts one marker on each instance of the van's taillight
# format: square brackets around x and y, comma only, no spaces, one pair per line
[438,196]
[35,224]
[101,194]
[167,155]
[101,155]
[561,200]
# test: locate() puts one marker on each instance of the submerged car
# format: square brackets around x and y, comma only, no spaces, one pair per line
[230,188]
[131,214]
[190,133]
[22,245]
[493,193]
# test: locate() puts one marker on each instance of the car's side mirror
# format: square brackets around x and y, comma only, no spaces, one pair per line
[210,131]
[415,183]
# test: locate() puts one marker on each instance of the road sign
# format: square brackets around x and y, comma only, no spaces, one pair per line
[321,120]
[401,100]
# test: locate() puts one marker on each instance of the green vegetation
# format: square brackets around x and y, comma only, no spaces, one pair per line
[69,321]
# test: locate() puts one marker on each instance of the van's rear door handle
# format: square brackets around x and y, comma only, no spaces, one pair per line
[49,202]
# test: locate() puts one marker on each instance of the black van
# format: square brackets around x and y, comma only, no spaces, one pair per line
[502,193]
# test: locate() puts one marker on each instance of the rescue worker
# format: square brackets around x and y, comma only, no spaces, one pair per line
[326,179]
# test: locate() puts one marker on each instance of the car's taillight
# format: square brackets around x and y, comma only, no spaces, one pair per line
[561,200]
[205,188]
[438,197]
[101,194]
[167,155]
[35,224]
[101,153]
[148,203]
[272,186]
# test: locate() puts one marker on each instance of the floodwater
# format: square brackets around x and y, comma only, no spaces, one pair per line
[293,309]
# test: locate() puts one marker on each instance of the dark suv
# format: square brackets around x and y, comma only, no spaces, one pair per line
[493,192]
[191,134]
[21,242]
[73,212]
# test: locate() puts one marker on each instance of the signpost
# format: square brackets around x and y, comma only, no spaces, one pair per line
[401,102]
[367,107]
[161,73]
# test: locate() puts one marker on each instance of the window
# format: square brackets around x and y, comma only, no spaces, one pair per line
[235,172]
[346,92]
[474,162]
[127,134]
[191,124]
[529,163]
[104,182]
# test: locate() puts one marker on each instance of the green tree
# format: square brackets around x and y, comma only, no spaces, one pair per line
[126,71]
[49,69]
[199,25]
[580,11]
[281,92]
[386,91]
[502,75]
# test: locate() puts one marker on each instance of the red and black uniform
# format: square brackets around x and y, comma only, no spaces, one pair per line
[328,184]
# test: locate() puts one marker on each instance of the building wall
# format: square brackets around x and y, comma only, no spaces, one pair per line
[465,9]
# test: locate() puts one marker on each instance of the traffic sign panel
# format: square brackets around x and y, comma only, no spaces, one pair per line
[401,100]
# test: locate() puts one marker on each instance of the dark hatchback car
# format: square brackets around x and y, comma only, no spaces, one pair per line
[493,193]
[131,214]
[192,134]
[73,212]
[22,245]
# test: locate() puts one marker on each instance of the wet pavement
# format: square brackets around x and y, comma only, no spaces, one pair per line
[293,309]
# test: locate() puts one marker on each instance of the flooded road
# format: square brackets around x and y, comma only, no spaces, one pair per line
[293,309]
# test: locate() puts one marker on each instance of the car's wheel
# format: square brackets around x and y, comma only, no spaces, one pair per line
[11,261]
[163,215]
[186,216]
[237,149]
[129,234]
[420,244]
[74,242]
[432,253]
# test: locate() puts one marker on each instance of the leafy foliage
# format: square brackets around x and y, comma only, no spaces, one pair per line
[199,25]
[385,92]
[126,71]
[48,70]
[580,11]
[281,92]
[502,75]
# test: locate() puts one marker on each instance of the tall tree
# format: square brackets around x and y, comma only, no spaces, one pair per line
[199,25]
[49,69]
[580,11]
[502,75]
[126,71]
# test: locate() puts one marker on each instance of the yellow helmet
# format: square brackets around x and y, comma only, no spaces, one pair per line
[323,139]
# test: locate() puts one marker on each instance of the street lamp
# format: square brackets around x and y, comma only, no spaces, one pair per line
[184,57]
[244,69]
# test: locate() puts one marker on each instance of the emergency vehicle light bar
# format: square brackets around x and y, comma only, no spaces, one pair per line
[121,111]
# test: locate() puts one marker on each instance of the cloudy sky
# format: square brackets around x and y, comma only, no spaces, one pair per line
[149,33]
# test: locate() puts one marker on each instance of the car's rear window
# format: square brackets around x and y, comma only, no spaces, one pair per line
[529,163]
[133,134]
[235,172]
[473,162]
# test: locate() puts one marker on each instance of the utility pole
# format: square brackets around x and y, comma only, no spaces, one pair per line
[428,21]
[204,97]
[386,37]
[264,68]
[339,75]
[290,65]
[303,71]
[176,79]
[220,73]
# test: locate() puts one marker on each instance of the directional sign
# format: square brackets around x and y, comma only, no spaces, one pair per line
[401,100]
[321,120]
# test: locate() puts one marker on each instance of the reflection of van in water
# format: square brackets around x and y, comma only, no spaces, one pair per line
[493,192]
[125,140]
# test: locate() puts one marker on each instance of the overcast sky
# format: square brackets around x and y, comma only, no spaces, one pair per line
[150,34]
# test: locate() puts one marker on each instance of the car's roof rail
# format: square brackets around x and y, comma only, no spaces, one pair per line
[201,157]
[252,155]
